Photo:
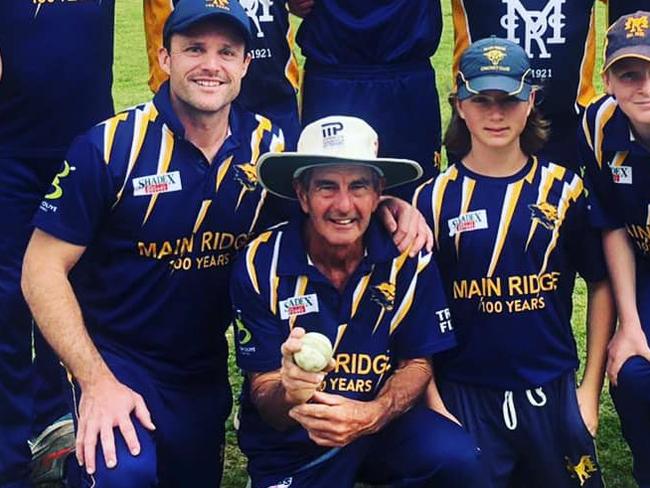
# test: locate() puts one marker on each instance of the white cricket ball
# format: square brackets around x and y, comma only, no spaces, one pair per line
[315,353]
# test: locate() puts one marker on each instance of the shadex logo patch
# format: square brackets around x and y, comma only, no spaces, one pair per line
[621,175]
[468,222]
[153,184]
[298,305]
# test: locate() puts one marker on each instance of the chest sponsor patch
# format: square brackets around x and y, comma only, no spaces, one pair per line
[622,175]
[468,222]
[152,184]
[301,305]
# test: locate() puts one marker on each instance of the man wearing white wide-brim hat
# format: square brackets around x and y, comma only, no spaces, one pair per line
[336,272]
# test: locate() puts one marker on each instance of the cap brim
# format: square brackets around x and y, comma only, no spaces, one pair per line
[637,52]
[275,171]
[225,16]
[513,87]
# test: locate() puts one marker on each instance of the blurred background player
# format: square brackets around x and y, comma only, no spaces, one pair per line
[56,82]
[616,8]
[271,84]
[559,39]
[615,148]
[336,271]
[370,59]
[511,231]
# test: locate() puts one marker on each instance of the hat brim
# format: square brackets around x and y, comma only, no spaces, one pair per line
[218,15]
[513,87]
[275,171]
[637,52]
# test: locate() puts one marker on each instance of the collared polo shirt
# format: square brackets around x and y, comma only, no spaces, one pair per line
[618,173]
[508,249]
[392,308]
[161,226]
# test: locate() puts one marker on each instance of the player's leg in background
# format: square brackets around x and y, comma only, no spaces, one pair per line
[632,395]
[22,185]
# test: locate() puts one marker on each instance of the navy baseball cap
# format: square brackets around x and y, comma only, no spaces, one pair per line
[494,64]
[189,12]
[628,37]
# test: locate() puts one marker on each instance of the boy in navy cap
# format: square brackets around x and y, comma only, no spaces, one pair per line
[615,148]
[511,231]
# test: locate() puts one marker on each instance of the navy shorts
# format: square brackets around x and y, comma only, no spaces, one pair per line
[528,438]
[399,101]
[418,449]
[186,449]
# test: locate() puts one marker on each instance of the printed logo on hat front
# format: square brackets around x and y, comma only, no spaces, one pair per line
[622,175]
[495,54]
[468,222]
[218,4]
[152,184]
[298,305]
[636,26]
[535,25]
[331,134]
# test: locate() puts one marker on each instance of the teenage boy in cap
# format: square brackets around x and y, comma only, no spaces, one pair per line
[560,40]
[615,147]
[335,271]
[145,217]
[511,231]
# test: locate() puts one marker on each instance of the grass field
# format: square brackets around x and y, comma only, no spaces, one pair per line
[130,74]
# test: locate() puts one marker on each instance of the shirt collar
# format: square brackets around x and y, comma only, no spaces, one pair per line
[619,136]
[295,261]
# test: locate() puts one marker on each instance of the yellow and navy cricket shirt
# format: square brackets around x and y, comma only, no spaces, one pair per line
[161,226]
[57,61]
[508,249]
[558,36]
[617,173]
[393,308]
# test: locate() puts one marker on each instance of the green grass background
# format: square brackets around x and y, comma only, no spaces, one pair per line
[130,87]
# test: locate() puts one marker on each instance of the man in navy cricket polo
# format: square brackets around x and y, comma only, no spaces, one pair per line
[127,272]
[384,312]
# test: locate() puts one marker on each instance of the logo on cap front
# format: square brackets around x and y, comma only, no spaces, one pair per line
[331,136]
[636,26]
[217,4]
[495,54]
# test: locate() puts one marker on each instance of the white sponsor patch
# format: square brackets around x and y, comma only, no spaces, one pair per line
[294,306]
[152,184]
[468,222]
[622,174]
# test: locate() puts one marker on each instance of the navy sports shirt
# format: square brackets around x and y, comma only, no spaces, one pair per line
[616,8]
[508,249]
[371,31]
[617,172]
[57,59]
[557,35]
[392,308]
[161,227]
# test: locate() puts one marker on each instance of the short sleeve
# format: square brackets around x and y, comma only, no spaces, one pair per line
[427,326]
[259,334]
[80,196]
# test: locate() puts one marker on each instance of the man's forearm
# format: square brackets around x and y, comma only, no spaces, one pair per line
[621,265]
[401,390]
[270,398]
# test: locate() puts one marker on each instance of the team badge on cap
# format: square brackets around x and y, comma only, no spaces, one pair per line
[636,26]
[217,4]
[495,55]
